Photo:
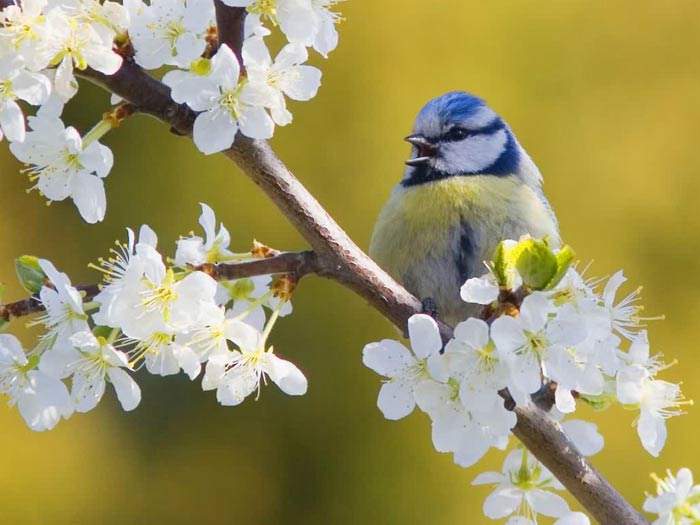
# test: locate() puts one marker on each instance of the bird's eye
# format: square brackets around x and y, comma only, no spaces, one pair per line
[456,134]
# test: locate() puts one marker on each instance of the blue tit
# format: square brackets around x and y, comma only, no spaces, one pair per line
[468,185]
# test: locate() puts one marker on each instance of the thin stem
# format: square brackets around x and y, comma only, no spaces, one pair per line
[298,264]
[252,306]
[97,132]
[271,322]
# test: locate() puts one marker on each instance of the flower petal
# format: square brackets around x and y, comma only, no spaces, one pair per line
[128,391]
[501,503]
[214,131]
[387,357]
[395,400]
[424,334]
[547,503]
[287,376]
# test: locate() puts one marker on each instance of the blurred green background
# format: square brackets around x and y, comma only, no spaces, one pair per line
[606,98]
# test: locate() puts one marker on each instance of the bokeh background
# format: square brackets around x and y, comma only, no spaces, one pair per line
[606,98]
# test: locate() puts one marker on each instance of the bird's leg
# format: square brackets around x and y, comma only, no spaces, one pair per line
[429,307]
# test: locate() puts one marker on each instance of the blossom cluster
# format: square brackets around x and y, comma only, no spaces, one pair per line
[677,499]
[44,44]
[546,334]
[165,318]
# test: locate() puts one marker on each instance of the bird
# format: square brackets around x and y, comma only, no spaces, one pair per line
[468,185]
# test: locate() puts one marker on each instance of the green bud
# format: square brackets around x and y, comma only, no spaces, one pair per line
[565,258]
[500,267]
[598,403]
[29,273]
[535,262]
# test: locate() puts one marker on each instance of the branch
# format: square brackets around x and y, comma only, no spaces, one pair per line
[33,304]
[296,264]
[340,259]
[148,95]
[230,22]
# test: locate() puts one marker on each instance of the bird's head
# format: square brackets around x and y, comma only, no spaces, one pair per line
[458,134]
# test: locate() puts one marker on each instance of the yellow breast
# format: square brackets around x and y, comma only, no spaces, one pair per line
[420,221]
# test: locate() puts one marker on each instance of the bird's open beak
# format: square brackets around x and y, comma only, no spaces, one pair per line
[426,149]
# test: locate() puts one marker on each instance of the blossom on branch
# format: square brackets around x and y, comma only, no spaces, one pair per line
[63,164]
[545,336]
[677,499]
[524,487]
[226,102]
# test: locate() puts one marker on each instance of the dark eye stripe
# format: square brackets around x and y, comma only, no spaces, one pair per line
[451,136]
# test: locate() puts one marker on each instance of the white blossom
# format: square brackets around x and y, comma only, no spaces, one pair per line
[530,340]
[237,374]
[468,434]
[523,486]
[480,290]
[212,249]
[63,304]
[285,76]
[473,360]
[677,500]
[150,304]
[62,165]
[93,361]
[657,401]
[70,43]
[170,31]
[17,83]
[42,400]
[226,105]
[404,368]
[624,315]
[22,31]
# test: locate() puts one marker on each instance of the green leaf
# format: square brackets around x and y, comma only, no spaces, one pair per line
[29,273]
[536,263]
[3,323]
[565,258]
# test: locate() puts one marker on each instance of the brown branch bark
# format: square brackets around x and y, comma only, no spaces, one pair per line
[339,258]
[230,22]
[296,264]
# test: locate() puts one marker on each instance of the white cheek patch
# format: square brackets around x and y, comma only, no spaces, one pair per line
[472,154]
[482,118]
